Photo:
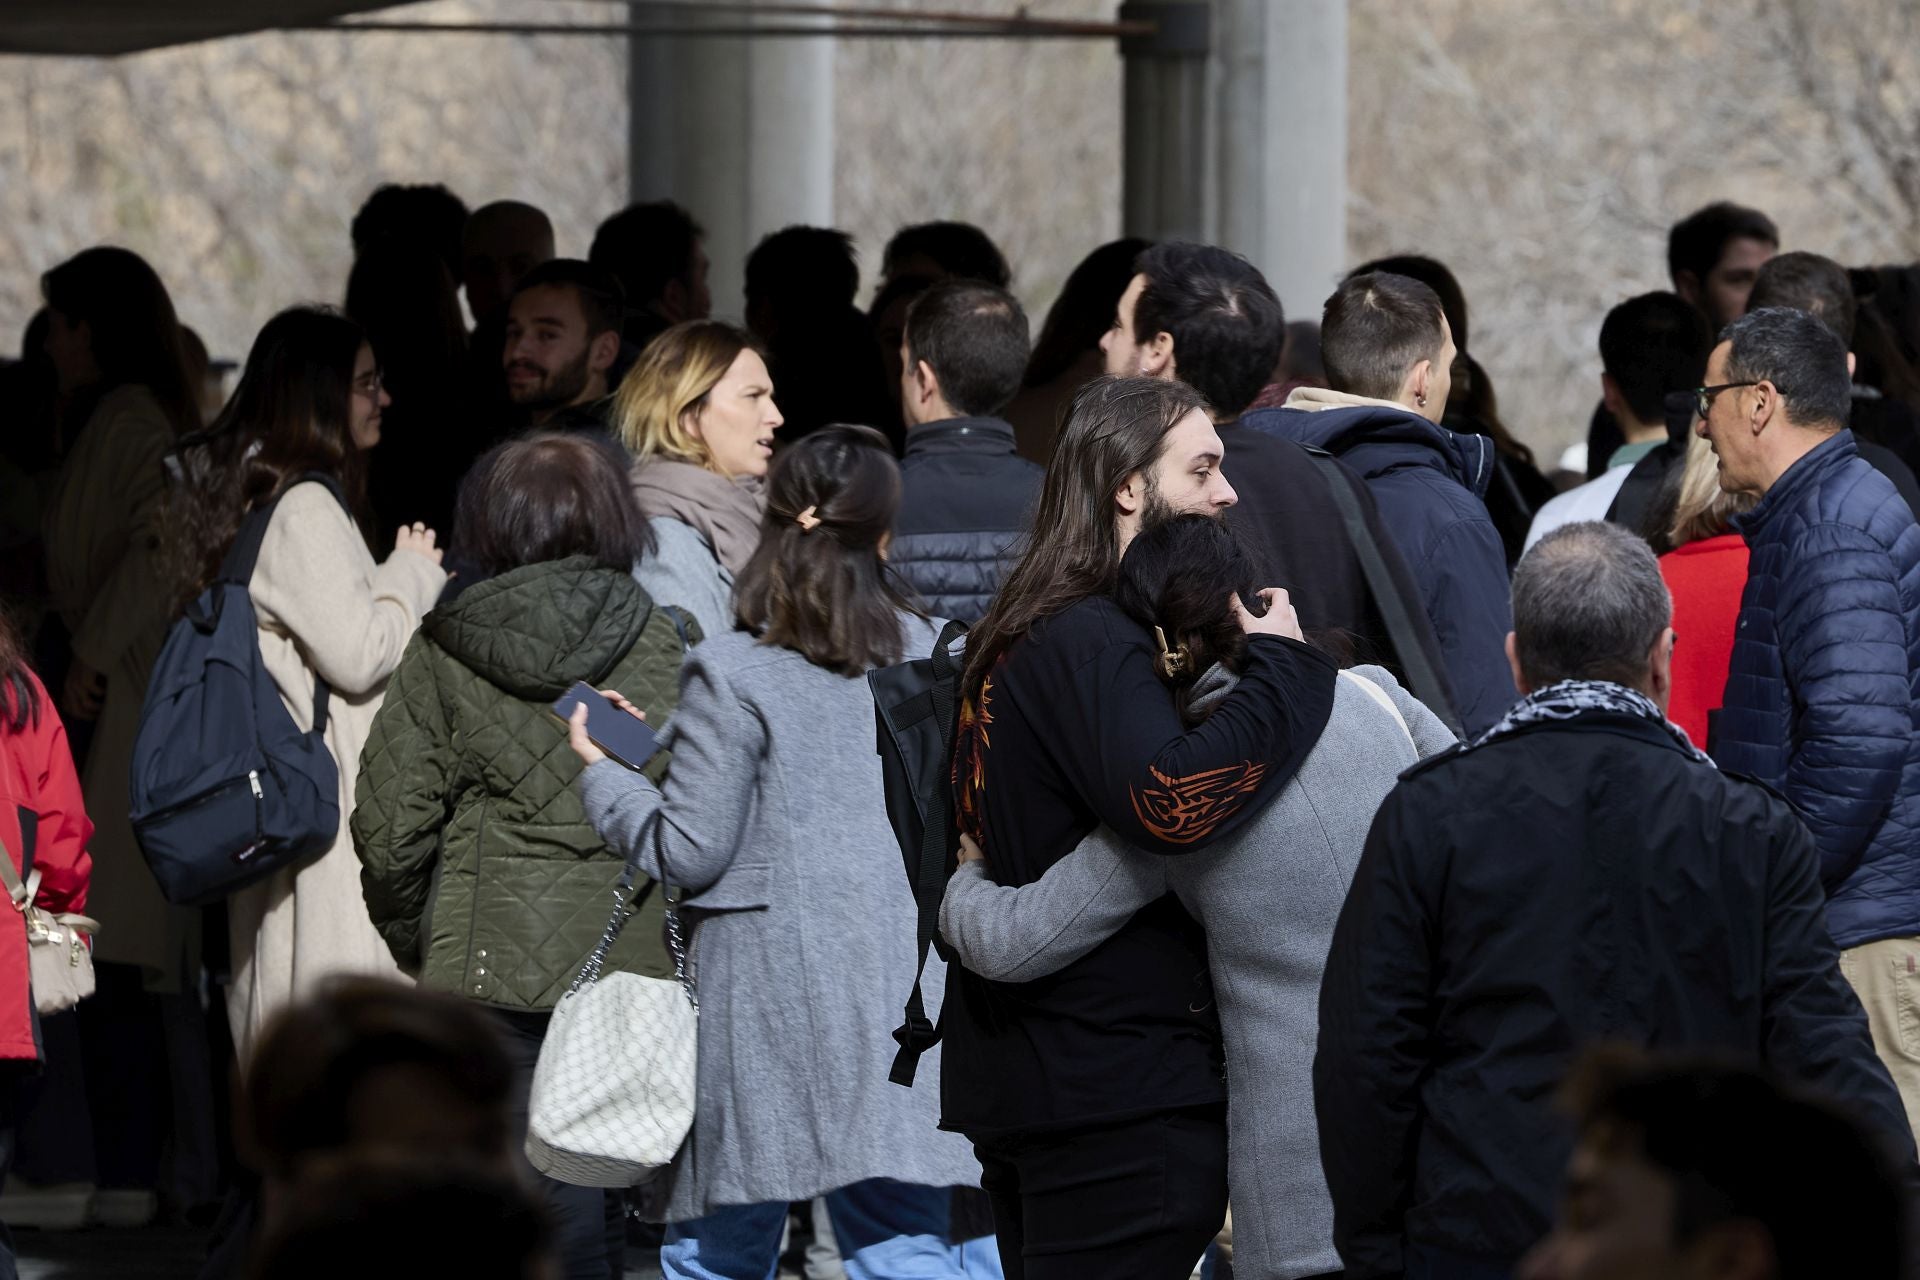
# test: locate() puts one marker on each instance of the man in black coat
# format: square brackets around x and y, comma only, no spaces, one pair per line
[1208,318]
[1580,873]
[966,498]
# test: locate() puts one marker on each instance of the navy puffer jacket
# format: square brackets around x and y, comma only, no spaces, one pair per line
[966,501]
[1822,700]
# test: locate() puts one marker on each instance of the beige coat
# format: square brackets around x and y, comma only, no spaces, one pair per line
[323,605]
[101,534]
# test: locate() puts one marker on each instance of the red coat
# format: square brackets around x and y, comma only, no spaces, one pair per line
[37,777]
[1706,579]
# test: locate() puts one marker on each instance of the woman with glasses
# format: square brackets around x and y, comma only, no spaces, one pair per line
[296,433]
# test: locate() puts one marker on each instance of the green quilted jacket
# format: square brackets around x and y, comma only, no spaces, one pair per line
[480,869]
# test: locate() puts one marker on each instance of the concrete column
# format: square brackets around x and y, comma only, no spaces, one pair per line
[738,130]
[1236,134]
[1298,235]
[1165,112]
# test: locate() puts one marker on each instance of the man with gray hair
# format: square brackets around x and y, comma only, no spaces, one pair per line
[1823,688]
[1579,873]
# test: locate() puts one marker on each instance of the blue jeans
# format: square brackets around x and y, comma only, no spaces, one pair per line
[887,1230]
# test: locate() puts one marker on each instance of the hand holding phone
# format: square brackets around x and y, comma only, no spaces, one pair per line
[605,724]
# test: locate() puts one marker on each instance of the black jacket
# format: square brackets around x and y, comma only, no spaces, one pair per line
[1288,519]
[1073,729]
[965,502]
[1575,882]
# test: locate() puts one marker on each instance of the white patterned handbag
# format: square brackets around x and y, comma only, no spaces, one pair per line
[613,1091]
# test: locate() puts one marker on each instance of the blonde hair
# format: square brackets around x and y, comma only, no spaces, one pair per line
[668,386]
[1703,509]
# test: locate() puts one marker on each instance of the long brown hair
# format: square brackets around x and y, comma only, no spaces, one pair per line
[818,583]
[1116,427]
[289,415]
[134,330]
[19,706]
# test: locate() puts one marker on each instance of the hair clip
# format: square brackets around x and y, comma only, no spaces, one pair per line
[807,520]
[1172,662]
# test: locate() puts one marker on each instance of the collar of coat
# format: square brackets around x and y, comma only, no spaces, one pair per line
[1814,466]
[948,435]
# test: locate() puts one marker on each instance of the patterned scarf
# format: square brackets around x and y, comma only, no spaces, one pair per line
[1572,698]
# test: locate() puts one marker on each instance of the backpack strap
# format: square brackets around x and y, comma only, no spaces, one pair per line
[1423,678]
[918,1033]
[237,568]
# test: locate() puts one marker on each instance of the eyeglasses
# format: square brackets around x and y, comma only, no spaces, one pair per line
[1703,396]
[369,384]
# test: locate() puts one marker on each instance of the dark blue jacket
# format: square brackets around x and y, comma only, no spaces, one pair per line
[966,502]
[1429,481]
[1822,700]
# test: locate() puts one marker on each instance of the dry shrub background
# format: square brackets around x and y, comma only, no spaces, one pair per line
[1541,149]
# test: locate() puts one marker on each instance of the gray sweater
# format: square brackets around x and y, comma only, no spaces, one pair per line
[1268,899]
[773,820]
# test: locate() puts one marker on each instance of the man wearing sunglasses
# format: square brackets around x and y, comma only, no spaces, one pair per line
[1821,698]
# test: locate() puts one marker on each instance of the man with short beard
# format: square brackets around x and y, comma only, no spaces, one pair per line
[563,335]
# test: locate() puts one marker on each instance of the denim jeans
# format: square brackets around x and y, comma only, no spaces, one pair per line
[887,1230]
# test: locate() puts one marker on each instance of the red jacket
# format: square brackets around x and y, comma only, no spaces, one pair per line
[1706,579]
[37,778]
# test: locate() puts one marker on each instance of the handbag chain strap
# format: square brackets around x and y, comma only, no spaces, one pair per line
[676,934]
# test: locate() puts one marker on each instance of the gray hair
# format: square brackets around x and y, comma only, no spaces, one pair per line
[1588,604]
[1799,355]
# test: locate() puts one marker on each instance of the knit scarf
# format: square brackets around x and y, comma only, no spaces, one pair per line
[724,512]
[1573,698]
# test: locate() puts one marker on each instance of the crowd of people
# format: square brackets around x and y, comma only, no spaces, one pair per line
[1371,855]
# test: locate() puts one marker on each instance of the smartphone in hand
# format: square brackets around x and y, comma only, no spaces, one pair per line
[625,737]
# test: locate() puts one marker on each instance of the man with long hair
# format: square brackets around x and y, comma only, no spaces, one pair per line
[1094,1097]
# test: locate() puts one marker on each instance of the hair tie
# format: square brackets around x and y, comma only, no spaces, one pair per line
[1172,662]
[807,520]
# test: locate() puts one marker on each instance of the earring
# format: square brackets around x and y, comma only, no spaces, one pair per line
[1422,399]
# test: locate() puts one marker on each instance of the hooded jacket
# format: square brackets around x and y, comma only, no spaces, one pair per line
[480,868]
[1429,482]
[1820,697]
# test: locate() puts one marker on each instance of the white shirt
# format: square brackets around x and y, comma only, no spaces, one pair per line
[1589,501]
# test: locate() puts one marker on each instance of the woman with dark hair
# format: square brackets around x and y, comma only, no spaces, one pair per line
[466,783]
[44,831]
[1267,898]
[309,407]
[1518,489]
[772,820]
[115,345]
[1066,353]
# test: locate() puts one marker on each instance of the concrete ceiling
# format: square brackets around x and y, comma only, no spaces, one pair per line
[104,28]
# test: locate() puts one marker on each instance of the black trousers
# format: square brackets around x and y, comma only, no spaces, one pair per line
[1137,1200]
[588,1222]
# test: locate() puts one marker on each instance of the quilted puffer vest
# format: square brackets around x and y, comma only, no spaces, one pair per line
[479,866]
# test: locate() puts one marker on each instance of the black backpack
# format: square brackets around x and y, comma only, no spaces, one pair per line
[225,790]
[915,705]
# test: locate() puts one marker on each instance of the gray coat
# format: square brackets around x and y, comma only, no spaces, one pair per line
[774,821]
[1268,899]
[683,571]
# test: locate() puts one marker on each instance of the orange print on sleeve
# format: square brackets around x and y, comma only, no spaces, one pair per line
[1183,810]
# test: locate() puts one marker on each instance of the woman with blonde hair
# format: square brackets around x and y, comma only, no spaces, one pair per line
[1706,572]
[697,413]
